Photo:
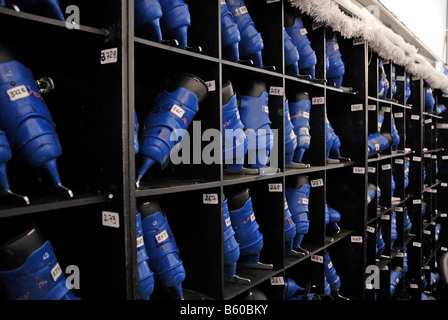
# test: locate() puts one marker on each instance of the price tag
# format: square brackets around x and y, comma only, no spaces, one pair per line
[18,93]
[56,272]
[111,219]
[277,281]
[162,236]
[276,91]
[316,258]
[318,100]
[210,198]
[275,187]
[317,183]
[109,56]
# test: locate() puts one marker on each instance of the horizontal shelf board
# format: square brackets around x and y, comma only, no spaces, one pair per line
[230,179]
[393,103]
[394,154]
[256,277]
[183,186]
[50,21]
[432,115]
[51,203]
[330,240]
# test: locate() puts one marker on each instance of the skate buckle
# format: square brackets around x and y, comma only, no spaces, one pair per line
[45,85]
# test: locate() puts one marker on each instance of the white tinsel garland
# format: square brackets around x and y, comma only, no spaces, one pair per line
[386,43]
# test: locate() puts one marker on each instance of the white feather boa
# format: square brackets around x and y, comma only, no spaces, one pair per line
[386,43]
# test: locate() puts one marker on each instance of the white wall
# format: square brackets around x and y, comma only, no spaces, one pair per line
[426,19]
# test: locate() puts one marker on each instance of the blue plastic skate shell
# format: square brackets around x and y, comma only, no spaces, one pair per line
[290,229]
[175,21]
[230,35]
[378,142]
[163,253]
[145,274]
[291,56]
[27,122]
[383,82]
[336,68]
[39,278]
[231,246]
[290,136]
[333,218]
[330,273]
[46,8]
[234,138]
[333,143]
[300,118]
[251,44]
[147,14]
[292,288]
[254,113]
[395,136]
[429,99]
[168,120]
[307,56]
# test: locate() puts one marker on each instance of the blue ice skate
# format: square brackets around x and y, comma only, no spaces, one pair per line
[175,21]
[333,218]
[407,87]
[164,261]
[380,245]
[332,277]
[383,82]
[290,231]
[407,166]
[393,81]
[145,274]
[246,229]
[440,109]
[297,196]
[298,33]
[393,229]
[396,275]
[429,99]
[251,44]
[255,116]
[147,14]
[395,136]
[336,69]
[46,8]
[5,156]
[333,143]
[299,105]
[235,141]
[407,223]
[292,288]
[230,35]
[26,120]
[30,269]
[371,192]
[231,248]
[290,137]
[136,127]
[291,56]
[378,142]
[166,123]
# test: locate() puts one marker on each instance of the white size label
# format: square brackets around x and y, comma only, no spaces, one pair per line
[276,91]
[399,78]
[317,183]
[417,201]
[370,229]
[110,219]
[417,244]
[18,93]
[178,111]
[272,1]
[140,242]
[56,272]
[275,187]
[371,169]
[359,170]
[316,258]
[385,217]
[162,236]
[386,166]
[415,117]
[109,56]
[417,159]
[398,115]
[399,161]
[277,281]
[371,107]
[386,109]
[240,11]
[211,85]
[303,31]
[318,100]
[357,107]
[356,239]
[210,198]
[228,222]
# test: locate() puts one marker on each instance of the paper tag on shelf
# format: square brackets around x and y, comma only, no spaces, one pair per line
[277,281]
[359,170]
[398,115]
[370,229]
[211,85]
[415,117]
[210,198]
[317,183]
[275,187]
[110,219]
[356,239]
[371,107]
[318,100]
[357,107]
[276,91]
[316,258]
[109,56]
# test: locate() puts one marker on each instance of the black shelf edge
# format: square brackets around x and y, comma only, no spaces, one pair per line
[189,186]
[405,106]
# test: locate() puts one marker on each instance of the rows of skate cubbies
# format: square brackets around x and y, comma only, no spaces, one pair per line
[93,105]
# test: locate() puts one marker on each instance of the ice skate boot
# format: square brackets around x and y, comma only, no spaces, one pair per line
[145,274]
[299,105]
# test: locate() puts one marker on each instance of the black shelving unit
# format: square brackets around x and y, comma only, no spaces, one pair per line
[93,106]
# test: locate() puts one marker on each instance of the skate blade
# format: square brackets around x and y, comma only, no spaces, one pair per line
[197,49]
[304,77]
[333,161]
[239,280]
[246,62]
[171,43]
[269,68]
[297,165]
[242,171]
[259,266]
[296,254]
[268,170]
[18,198]
[64,191]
